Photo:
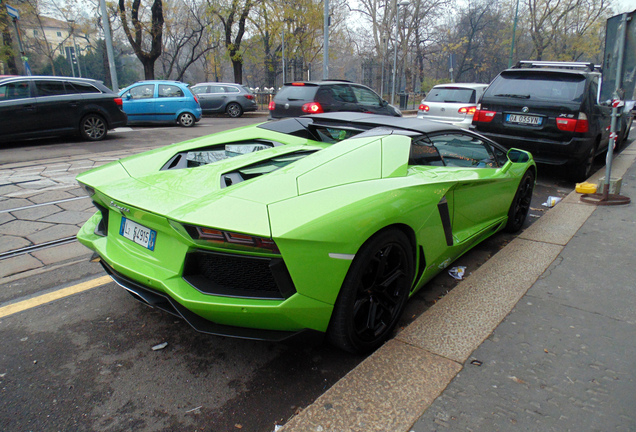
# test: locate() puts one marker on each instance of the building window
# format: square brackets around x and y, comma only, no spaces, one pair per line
[35,32]
[59,34]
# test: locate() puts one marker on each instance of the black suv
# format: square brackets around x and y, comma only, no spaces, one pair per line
[550,109]
[41,106]
[315,97]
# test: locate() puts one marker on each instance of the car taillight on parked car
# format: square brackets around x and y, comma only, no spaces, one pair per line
[579,124]
[271,105]
[483,115]
[249,96]
[119,102]
[467,110]
[424,107]
[312,108]
[195,98]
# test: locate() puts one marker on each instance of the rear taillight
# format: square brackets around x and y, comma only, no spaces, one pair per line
[249,96]
[271,105]
[424,108]
[195,98]
[312,108]
[219,236]
[119,102]
[483,115]
[573,125]
[467,110]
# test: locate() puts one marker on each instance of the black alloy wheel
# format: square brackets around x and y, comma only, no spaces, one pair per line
[373,294]
[521,203]
[186,119]
[93,127]
[582,170]
[234,110]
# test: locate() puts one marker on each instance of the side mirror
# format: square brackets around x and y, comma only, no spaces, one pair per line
[128,96]
[383,103]
[517,156]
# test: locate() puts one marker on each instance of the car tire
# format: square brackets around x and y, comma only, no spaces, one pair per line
[93,127]
[520,206]
[582,170]
[234,110]
[186,119]
[373,294]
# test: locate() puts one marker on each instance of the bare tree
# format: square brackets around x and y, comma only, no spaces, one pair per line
[146,51]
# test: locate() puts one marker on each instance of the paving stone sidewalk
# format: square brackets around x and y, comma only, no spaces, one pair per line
[564,358]
[40,202]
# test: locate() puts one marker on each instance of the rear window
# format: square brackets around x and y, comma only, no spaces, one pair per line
[297,93]
[538,86]
[451,95]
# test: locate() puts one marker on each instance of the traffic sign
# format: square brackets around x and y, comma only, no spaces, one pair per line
[13,12]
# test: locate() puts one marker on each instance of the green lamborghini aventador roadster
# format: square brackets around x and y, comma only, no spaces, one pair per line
[324,223]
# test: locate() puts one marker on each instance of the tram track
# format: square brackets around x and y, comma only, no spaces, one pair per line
[36,247]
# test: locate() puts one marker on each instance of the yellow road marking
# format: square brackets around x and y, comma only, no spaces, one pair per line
[47,298]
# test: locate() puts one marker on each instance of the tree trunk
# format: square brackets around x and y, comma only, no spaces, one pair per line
[149,69]
[237,65]
[8,44]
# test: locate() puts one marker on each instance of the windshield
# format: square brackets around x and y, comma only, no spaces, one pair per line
[538,86]
[451,95]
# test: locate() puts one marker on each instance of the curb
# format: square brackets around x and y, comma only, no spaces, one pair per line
[392,388]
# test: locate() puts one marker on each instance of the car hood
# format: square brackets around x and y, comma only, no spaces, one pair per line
[198,195]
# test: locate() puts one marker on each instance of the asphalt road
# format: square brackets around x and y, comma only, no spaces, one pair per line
[86,362]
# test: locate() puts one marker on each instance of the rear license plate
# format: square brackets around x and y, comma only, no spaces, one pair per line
[138,233]
[522,119]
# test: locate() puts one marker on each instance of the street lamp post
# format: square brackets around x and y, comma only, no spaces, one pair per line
[397,23]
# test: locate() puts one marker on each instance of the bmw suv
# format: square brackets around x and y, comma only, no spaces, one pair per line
[550,109]
[314,97]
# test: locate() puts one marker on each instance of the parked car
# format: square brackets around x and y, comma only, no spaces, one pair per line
[314,97]
[321,224]
[232,99]
[41,106]
[161,101]
[452,103]
[550,109]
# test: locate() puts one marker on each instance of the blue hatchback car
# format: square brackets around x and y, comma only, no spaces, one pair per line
[160,101]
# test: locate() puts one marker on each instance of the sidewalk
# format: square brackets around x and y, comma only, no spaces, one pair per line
[541,337]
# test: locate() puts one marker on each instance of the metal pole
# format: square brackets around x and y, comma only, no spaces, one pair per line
[109,46]
[325,56]
[616,97]
[514,31]
[283,53]
[397,20]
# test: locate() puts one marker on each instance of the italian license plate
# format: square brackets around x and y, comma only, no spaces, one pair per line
[138,233]
[523,119]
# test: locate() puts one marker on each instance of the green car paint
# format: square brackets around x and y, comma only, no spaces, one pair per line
[320,210]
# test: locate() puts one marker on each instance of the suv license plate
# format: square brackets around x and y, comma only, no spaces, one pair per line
[138,233]
[521,119]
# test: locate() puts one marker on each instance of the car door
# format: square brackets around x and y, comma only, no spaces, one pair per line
[59,105]
[337,97]
[170,101]
[368,101]
[139,103]
[478,196]
[216,97]
[203,94]
[18,109]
